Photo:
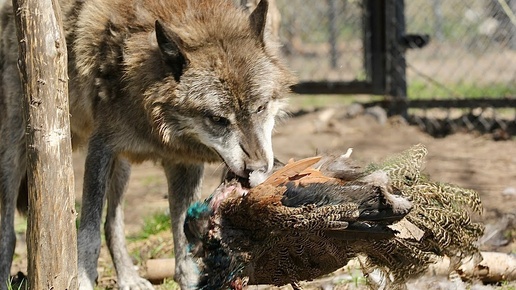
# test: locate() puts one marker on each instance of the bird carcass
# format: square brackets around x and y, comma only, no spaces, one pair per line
[310,217]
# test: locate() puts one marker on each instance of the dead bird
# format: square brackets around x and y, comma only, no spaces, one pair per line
[310,217]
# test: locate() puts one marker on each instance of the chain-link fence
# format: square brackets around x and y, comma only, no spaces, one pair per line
[472,51]
[471,54]
[323,40]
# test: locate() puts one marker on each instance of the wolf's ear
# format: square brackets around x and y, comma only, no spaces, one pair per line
[258,19]
[170,46]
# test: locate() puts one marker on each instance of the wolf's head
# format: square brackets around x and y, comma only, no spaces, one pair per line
[227,84]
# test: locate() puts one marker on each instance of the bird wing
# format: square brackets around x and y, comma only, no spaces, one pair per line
[301,173]
[291,170]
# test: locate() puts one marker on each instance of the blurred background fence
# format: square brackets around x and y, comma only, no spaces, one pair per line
[323,40]
[459,56]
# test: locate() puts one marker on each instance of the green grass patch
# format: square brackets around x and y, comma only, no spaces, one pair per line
[17,286]
[20,224]
[506,285]
[416,90]
[322,101]
[355,279]
[424,90]
[154,224]
[169,284]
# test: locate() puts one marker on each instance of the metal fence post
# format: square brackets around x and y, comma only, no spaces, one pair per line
[374,45]
[396,63]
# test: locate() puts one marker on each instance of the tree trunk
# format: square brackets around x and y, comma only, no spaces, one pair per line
[51,233]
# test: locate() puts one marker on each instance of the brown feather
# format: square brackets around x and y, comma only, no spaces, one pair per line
[290,170]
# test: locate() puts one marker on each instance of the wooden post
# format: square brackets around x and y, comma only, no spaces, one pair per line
[51,233]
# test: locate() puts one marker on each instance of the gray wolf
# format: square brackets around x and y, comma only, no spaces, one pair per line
[176,81]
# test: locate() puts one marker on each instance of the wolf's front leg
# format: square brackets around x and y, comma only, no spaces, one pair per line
[12,169]
[127,276]
[98,168]
[12,156]
[184,187]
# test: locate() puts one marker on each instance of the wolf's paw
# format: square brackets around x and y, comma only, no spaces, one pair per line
[187,273]
[135,283]
[85,283]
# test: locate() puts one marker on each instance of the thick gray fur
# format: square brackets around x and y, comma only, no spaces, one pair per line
[178,82]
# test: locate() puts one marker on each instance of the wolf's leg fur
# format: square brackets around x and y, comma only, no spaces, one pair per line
[127,276]
[99,162]
[184,187]
[12,164]
[11,172]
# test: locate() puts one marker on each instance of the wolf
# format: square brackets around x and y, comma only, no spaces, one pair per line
[175,81]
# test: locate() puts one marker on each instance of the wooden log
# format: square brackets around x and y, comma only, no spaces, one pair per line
[496,267]
[159,270]
[51,234]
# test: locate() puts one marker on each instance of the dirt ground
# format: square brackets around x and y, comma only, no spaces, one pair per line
[468,160]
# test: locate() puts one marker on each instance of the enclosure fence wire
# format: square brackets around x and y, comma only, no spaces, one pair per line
[471,55]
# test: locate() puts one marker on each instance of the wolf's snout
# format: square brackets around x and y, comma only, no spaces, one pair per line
[257,166]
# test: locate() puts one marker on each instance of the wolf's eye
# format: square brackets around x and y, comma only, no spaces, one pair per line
[221,121]
[261,108]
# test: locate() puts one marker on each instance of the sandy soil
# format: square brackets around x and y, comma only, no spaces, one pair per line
[468,160]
